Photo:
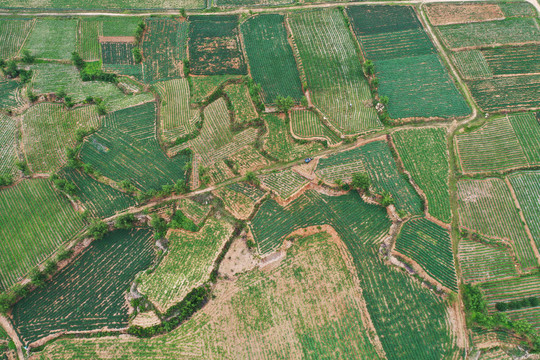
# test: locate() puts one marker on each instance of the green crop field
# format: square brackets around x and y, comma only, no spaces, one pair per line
[333,70]
[203,86]
[511,289]
[13,33]
[284,183]
[503,143]
[236,3]
[425,156]
[271,59]
[248,190]
[368,20]
[518,9]
[244,110]
[481,262]
[104,4]
[501,32]
[176,118]
[307,124]
[117,53]
[472,64]
[49,129]
[10,94]
[99,199]
[513,60]
[236,202]
[214,46]
[280,145]
[35,219]
[526,186]
[197,212]
[120,26]
[187,264]
[126,148]
[507,93]
[397,44]
[53,38]
[431,247]
[487,207]
[340,166]
[8,150]
[88,33]
[164,48]
[89,293]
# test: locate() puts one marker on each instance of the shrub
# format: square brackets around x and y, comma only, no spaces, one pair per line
[125,221]
[137,56]
[284,104]
[6,180]
[97,229]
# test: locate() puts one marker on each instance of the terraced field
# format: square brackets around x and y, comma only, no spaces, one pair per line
[236,202]
[244,110]
[332,67]
[340,166]
[526,186]
[284,183]
[481,262]
[431,247]
[507,93]
[511,289]
[126,148]
[13,33]
[49,129]
[307,124]
[271,59]
[425,156]
[188,263]
[8,154]
[74,299]
[53,38]
[487,207]
[35,220]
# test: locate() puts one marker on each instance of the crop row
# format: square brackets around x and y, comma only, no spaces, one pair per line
[284,183]
[507,93]
[306,124]
[526,186]
[88,33]
[12,35]
[8,154]
[511,289]
[243,108]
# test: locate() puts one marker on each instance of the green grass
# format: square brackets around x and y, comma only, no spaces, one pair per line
[526,186]
[244,110]
[53,38]
[88,33]
[120,26]
[501,32]
[177,118]
[271,58]
[284,183]
[307,124]
[188,263]
[214,46]
[49,129]
[487,206]
[89,293]
[333,70]
[8,154]
[99,199]
[279,144]
[431,247]
[425,156]
[480,262]
[507,93]
[472,64]
[513,60]
[34,220]
[126,148]
[13,32]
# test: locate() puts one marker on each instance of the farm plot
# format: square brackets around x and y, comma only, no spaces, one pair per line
[279,144]
[34,220]
[243,108]
[117,53]
[284,183]
[340,166]
[472,64]
[271,59]
[503,143]
[397,44]
[88,33]
[238,204]
[53,38]
[126,148]
[49,129]
[13,33]
[489,33]
[203,86]
[481,262]
[164,48]
[518,9]
[8,150]
[99,199]
[531,315]
[425,156]
[236,3]
[431,247]
[177,118]
[89,293]
[511,289]
[384,174]
[487,207]
[446,14]
[507,93]
[120,26]
[248,190]
[214,46]
[306,124]
[103,5]
[197,212]
[10,94]
[368,20]
[513,60]
[333,70]
[526,186]
[248,159]
[188,263]
[50,78]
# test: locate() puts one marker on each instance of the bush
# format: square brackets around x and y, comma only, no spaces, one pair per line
[181,221]
[159,225]
[65,186]
[251,178]
[23,166]
[284,104]
[181,187]
[137,56]
[77,60]
[101,109]
[369,67]
[125,221]
[387,199]
[97,229]
[6,180]
[30,95]
[361,181]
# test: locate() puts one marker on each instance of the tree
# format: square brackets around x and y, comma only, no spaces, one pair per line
[251,178]
[181,187]
[304,102]
[137,56]
[101,109]
[361,181]
[11,70]
[284,104]
[97,229]
[384,100]
[501,306]
[369,67]
[77,60]
[6,180]
[30,95]
[27,57]
[387,199]
[61,93]
[159,225]
[125,221]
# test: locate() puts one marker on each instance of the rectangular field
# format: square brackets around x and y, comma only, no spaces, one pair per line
[511,289]
[333,70]
[8,150]
[88,33]
[513,60]
[340,166]
[472,64]
[480,262]
[53,38]
[243,108]
[215,47]
[425,156]
[446,14]
[117,53]
[377,19]
[35,220]
[271,58]
[13,33]
[526,186]
[507,93]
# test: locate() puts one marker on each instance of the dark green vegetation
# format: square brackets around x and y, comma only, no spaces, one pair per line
[271,58]
[430,246]
[126,148]
[69,302]
[214,46]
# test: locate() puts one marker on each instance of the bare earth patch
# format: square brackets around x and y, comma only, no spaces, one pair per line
[445,14]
